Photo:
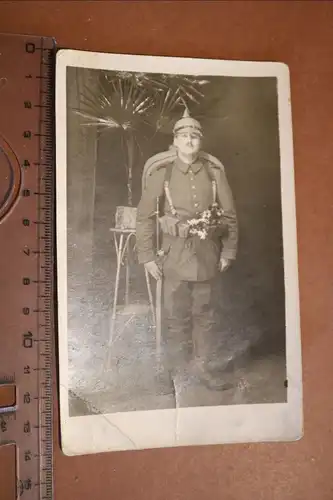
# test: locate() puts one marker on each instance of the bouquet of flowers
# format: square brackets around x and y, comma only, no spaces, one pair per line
[209,219]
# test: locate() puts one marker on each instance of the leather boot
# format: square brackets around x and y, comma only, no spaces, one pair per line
[208,378]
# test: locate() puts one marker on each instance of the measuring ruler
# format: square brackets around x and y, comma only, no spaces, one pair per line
[26,265]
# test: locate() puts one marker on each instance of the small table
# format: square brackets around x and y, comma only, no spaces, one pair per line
[122,239]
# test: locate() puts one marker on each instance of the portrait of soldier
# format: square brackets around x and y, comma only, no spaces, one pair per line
[184,183]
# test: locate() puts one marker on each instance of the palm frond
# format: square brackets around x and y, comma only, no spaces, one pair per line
[130,100]
[97,120]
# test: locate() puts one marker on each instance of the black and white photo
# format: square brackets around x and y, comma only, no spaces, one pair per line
[178,306]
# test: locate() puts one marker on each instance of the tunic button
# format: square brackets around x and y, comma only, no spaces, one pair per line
[193,186]
[196,205]
[194,195]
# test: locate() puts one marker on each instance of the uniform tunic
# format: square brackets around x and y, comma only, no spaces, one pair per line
[189,259]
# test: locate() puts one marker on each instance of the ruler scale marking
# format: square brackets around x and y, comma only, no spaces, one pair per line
[26,359]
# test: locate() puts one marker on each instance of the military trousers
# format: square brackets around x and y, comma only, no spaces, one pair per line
[189,322]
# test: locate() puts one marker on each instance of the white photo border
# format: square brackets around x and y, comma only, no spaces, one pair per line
[196,425]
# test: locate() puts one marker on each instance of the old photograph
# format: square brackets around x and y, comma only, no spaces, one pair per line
[178,307]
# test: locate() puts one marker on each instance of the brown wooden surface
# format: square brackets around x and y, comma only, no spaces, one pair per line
[7,472]
[7,395]
[301,35]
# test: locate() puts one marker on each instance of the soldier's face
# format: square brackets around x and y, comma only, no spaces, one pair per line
[188,143]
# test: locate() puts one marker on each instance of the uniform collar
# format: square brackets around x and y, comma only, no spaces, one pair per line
[185,167]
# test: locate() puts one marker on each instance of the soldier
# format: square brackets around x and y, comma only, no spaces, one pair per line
[187,183]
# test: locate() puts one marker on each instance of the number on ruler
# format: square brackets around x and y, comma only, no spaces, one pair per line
[27,455]
[30,47]
[27,340]
[26,164]
[27,370]
[26,281]
[26,251]
[27,427]
[3,424]
[27,104]
[27,134]
[27,484]
[27,398]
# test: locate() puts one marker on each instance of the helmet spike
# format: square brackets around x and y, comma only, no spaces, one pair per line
[186,113]
[186,122]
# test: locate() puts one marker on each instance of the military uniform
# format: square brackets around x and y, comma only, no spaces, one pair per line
[190,265]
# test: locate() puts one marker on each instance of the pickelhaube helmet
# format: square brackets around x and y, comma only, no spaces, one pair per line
[187,124]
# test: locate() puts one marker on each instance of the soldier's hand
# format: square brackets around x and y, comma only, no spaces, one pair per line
[169,224]
[224,264]
[153,269]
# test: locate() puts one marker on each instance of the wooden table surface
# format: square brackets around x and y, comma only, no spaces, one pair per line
[301,35]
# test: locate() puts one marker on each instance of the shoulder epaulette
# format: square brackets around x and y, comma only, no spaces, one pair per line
[157,162]
[212,160]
